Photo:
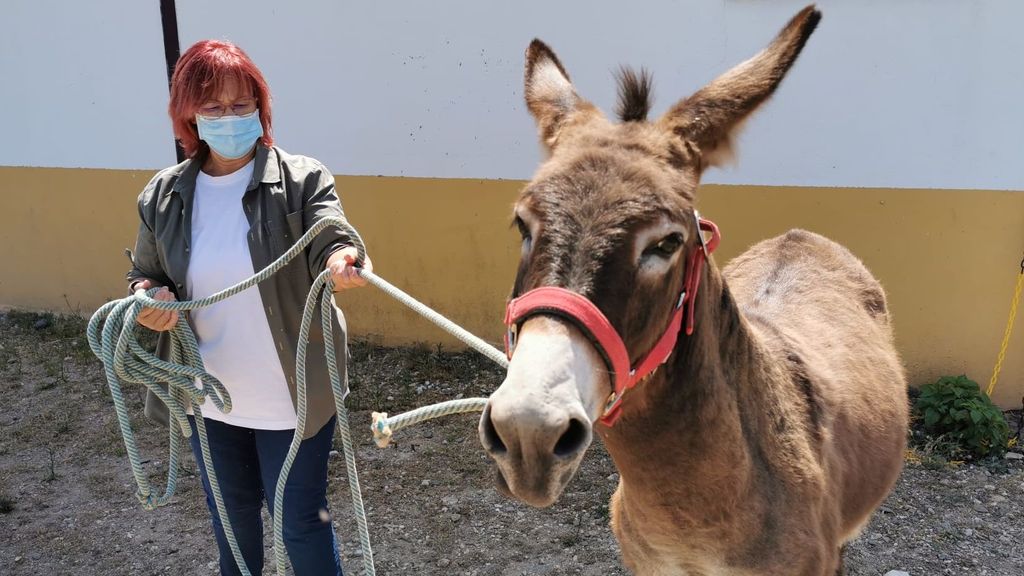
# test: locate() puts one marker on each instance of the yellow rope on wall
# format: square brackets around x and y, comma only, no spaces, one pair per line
[1009,330]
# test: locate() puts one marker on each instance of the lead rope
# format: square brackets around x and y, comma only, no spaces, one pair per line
[1008,331]
[126,361]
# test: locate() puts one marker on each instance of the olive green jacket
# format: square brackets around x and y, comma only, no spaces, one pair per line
[286,196]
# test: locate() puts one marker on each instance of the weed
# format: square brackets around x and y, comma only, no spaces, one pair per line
[956,410]
[61,424]
[934,452]
[52,471]
[114,441]
[573,537]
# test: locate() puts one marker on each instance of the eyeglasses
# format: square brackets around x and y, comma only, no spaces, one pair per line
[240,108]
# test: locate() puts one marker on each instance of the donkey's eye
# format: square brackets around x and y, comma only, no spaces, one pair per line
[524,230]
[665,247]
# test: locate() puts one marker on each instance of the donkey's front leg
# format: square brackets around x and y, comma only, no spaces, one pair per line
[841,569]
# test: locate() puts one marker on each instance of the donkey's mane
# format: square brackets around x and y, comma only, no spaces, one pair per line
[634,94]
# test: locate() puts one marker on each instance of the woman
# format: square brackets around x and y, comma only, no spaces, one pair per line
[232,208]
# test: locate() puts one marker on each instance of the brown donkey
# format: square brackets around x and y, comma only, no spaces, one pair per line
[773,430]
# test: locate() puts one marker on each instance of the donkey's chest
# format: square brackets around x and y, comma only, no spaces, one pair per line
[670,564]
[653,548]
[654,543]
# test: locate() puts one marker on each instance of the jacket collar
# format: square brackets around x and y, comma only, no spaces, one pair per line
[266,170]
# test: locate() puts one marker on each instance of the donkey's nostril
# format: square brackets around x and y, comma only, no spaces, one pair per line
[573,439]
[489,435]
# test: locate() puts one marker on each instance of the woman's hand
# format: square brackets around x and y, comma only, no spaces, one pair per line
[343,270]
[153,318]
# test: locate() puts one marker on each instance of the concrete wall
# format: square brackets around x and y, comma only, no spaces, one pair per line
[896,134]
[910,94]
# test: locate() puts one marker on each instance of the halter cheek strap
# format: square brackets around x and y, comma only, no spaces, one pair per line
[556,301]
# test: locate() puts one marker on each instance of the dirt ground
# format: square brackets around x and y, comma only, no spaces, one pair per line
[67,502]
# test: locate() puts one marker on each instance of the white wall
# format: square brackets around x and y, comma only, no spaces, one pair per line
[83,84]
[917,93]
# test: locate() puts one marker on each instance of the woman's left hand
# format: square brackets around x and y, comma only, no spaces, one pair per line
[343,269]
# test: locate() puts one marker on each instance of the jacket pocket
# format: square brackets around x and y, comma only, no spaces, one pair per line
[294,221]
[284,233]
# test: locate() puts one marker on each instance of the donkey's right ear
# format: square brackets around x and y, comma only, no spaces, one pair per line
[550,95]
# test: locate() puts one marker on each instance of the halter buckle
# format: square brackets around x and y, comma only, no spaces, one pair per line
[700,233]
[682,298]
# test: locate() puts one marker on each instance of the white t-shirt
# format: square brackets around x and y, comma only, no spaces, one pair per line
[234,337]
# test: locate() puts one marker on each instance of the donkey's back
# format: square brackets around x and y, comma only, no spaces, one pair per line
[806,282]
[818,310]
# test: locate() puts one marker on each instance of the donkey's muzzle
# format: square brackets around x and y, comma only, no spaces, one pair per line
[536,451]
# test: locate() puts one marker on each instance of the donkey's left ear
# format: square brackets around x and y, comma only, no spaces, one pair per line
[713,114]
[550,95]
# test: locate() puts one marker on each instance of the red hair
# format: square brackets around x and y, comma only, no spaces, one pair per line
[199,75]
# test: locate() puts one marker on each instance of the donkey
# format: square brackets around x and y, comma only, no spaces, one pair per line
[757,415]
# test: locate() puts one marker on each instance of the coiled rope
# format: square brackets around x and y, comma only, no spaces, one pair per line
[112,335]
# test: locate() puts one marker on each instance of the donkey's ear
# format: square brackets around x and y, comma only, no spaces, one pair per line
[713,114]
[550,95]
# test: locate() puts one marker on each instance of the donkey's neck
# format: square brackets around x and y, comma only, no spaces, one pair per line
[691,417]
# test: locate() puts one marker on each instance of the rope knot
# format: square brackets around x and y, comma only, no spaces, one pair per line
[381,429]
[147,501]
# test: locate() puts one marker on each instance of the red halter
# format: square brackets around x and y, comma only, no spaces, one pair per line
[573,306]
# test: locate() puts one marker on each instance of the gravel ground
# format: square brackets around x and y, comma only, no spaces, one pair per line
[67,504]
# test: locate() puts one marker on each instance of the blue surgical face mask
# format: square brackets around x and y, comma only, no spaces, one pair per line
[230,136]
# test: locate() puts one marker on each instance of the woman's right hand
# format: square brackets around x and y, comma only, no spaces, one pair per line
[154,318]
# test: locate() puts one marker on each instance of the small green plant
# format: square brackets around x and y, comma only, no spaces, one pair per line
[955,408]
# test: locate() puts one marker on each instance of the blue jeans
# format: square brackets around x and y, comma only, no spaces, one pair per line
[247,463]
